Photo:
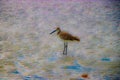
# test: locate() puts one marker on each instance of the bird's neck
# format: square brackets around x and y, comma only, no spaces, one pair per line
[58,31]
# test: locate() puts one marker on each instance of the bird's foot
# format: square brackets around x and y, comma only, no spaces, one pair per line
[64,53]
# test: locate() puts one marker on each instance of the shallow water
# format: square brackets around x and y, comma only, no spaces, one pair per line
[29,52]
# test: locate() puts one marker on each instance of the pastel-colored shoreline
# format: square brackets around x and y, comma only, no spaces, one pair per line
[29,52]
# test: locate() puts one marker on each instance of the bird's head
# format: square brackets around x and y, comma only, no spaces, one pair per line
[56,30]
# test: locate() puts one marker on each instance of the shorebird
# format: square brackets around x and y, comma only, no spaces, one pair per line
[65,36]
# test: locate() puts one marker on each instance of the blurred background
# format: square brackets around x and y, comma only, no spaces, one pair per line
[29,52]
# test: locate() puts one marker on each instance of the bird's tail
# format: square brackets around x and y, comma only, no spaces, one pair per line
[76,38]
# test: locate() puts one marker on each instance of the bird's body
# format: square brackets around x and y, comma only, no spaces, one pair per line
[66,37]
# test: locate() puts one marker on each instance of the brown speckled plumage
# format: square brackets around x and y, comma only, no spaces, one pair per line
[67,36]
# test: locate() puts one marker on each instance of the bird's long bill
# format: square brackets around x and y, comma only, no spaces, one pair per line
[53,31]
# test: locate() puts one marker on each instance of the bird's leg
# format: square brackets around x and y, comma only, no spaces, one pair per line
[66,45]
[64,48]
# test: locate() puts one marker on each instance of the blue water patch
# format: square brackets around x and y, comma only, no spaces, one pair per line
[38,78]
[53,58]
[27,78]
[21,57]
[15,72]
[112,77]
[80,79]
[105,59]
[107,78]
[34,77]
[77,67]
